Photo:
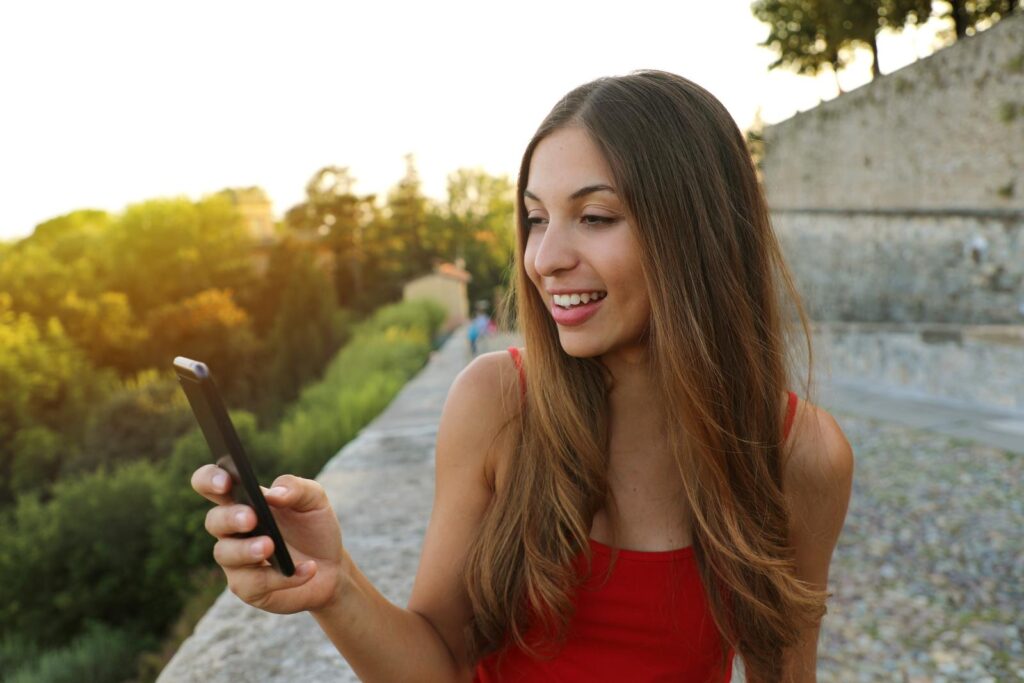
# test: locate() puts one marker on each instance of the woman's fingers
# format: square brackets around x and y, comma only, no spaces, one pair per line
[213,483]
[301,495]
[227,520]
[257,585]
[233,553]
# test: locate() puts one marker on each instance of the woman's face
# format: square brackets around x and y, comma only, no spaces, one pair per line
[580,241]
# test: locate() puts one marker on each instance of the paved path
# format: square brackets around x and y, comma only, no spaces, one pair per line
[927,580]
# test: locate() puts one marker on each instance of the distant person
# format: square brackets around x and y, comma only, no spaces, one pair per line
[480,326]
[638,495]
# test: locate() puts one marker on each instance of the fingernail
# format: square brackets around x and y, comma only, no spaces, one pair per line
[278,491]
[304,569]
[240,519]
[220,481]
[256,547]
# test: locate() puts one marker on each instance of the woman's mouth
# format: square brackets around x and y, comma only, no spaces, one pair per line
[575,314]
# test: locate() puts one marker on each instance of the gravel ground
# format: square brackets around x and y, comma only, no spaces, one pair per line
[928,575]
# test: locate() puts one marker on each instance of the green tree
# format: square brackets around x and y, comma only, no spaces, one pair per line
[807,35]
[967,15]
[210,327]
[105,328]
[140,421]
[59,256]
[49,384]
[81,555]
[308,329]
[335,216]
[165,250]
[478,223]
[408,211]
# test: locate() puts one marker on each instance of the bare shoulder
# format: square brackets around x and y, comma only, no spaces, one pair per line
[817,483]
[470,429]
[483,399]
[818,452]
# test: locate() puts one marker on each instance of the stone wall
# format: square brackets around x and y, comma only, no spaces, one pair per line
[981,365]
[903,200]
[965,267]
[944,132]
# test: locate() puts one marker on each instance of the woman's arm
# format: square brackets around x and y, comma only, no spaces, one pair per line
[425,641]
[817,481]
[380,640]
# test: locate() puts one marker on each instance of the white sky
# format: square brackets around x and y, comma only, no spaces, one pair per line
[107,103]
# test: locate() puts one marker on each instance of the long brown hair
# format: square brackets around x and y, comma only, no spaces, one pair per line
[720,337]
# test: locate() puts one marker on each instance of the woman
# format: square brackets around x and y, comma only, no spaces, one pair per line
[636,495]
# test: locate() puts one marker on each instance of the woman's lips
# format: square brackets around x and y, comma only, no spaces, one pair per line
[577,315]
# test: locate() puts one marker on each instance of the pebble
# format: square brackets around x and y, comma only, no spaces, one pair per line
[927,579]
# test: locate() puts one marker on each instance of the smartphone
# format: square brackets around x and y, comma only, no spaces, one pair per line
[207,406]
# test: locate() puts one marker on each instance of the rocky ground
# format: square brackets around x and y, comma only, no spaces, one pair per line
[928,575]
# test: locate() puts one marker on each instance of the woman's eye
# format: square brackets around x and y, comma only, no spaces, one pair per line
[591,219]
[534,220]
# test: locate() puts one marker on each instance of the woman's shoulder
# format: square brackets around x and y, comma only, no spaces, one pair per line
[818,464]
[487,396]
[493,375]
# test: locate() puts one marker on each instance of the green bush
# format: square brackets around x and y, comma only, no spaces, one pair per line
[17,650]
[100,655]
[363,378]
[180,540]
[82,555]
[423,314]
[140,421]
[123,545]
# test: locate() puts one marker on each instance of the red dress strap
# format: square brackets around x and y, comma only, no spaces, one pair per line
[518,360]
[790,413]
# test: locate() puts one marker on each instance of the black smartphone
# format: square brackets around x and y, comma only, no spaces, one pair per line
[203,396]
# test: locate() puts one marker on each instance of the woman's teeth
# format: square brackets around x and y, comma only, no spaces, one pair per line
[570,300]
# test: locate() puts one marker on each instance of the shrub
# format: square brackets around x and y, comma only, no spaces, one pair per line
[100,655]
[359,383]
[82,555]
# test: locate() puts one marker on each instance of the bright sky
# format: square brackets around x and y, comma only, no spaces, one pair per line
[107,103]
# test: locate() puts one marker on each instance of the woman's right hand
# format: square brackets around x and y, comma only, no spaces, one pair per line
[311,532]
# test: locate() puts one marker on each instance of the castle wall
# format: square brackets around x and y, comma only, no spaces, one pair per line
[903,200]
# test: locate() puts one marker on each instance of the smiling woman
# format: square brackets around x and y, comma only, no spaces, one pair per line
[638,495]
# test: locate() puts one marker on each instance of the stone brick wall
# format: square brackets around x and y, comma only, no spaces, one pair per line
[903,200]
[979,365]
[965,267]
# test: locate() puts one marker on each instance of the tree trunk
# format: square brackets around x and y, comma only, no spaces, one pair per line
[835,72]
[960,18]
[875,71]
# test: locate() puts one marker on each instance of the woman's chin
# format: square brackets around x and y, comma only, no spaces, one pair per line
[580,348]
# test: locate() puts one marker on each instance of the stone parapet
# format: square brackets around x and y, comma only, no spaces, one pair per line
[981,366]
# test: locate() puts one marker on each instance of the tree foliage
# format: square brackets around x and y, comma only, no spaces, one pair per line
[808,35]
[479,220]
[97,519]
[49,389]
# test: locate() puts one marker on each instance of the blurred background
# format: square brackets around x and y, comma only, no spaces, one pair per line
[313,198]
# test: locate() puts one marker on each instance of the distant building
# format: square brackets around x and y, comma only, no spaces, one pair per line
[447,286]
[257,212]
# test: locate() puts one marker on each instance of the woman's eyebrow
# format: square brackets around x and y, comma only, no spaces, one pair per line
[583,191]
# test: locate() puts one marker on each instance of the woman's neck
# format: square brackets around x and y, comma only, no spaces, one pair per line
[634,398]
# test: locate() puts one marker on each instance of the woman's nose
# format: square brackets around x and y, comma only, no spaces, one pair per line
[556,250]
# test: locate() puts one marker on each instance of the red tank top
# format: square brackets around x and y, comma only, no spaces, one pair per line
[648,621]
